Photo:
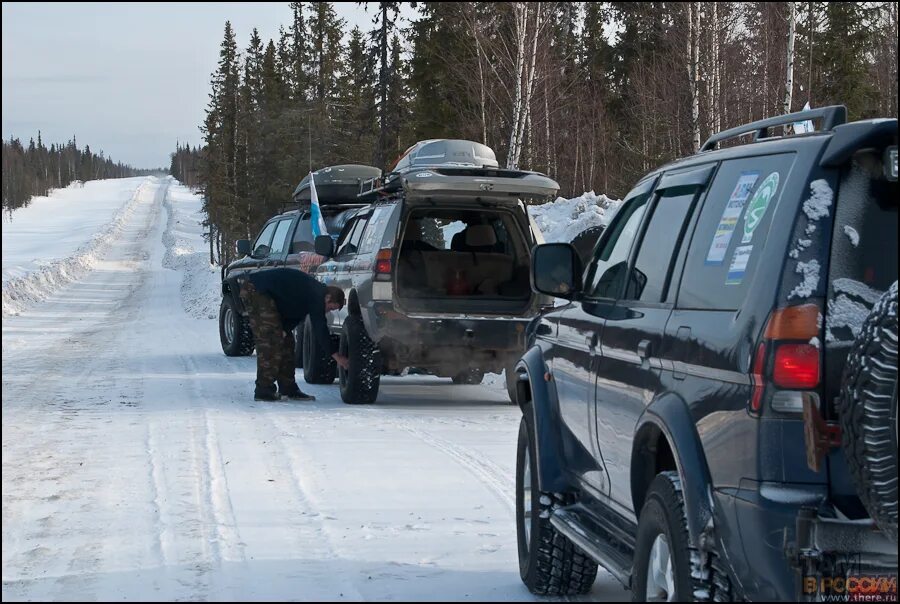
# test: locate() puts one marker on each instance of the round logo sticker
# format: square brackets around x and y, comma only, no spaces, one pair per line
[756,209]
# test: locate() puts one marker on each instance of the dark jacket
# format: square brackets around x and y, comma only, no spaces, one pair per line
[296,296]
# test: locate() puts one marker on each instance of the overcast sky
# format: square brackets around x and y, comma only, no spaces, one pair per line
[127,78]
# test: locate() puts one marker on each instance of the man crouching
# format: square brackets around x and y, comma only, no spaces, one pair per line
[277,300]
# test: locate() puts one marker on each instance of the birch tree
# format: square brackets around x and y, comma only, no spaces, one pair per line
[694,71]
[789,77]
[524,73]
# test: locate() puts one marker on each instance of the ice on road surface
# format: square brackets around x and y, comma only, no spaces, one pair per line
[136,464]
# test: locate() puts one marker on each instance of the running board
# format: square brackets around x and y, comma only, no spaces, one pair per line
[582,528]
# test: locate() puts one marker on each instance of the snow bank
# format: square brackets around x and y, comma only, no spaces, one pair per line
[57,239]
[563,219]
[187,252]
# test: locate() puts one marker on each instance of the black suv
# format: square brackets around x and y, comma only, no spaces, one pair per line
[714,413]
[287,240]
[435,269]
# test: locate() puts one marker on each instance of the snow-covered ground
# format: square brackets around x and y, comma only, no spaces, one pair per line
[136,464]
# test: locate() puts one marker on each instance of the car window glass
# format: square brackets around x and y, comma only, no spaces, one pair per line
[279,240]
[303,237]
[731,232]
[350,245]
[372,236]
[264,239]
[647,280]
[611,260]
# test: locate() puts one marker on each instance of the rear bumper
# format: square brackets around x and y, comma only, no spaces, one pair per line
[490,343]
[782,542]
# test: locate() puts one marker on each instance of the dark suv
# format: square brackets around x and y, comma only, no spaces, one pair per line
[714,413]
[287,240]
[435,269]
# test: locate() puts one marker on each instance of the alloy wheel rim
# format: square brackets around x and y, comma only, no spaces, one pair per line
[660,573]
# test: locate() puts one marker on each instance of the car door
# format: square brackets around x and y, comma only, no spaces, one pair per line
[628,369]
[579,332]
[338,269]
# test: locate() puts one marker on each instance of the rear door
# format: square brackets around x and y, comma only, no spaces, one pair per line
[628,369]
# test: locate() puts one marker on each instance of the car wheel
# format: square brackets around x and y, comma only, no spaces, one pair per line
[234,331]
[318,366]
[469,376]
[360,381]
[868,413]
[549,563]
[666,567]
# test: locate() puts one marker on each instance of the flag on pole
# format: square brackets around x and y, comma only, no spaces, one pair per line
[804,126]
[318,223]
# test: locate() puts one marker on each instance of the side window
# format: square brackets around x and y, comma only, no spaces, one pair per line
[610,265]
[374,232]
[649,275]
[264,241]
[279,241]
[349,242]
[731,232]
[303,238]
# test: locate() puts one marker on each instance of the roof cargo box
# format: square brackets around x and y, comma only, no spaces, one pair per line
[336,184]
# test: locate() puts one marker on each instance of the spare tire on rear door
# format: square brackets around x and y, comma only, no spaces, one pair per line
[868,413]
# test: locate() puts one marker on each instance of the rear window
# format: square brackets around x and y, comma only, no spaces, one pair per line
[731,232]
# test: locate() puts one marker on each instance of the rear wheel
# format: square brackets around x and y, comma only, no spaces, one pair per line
[549,563]
[360,381]
[868,413]
[234,331]
[666,567]
[318,366]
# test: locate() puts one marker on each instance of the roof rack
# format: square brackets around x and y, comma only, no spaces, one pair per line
[373,188]
[832,116]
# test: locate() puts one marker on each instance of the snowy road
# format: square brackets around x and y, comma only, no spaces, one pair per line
[136,464]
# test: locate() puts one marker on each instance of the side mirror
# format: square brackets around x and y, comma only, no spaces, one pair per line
[324,246]
[556,270]
[242,246]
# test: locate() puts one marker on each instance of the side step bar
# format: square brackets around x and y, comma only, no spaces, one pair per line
[582,528]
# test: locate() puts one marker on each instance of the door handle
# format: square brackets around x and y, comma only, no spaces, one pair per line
[645,349]
[591,341]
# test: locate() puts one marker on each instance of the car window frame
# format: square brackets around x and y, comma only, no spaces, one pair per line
[287,237]
[256,243]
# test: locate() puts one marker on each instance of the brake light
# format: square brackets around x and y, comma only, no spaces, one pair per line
[383,262]
[796,366]
[757,377]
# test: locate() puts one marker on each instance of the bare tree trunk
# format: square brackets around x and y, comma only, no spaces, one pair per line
[717,75]
[694,71]
[812,30]
[546,125]
[789,78]
[481,88]
[520,20]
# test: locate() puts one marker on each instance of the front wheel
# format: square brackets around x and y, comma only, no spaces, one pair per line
[666,567]
[318,366]
[234,330]
[469,376]
[549,563]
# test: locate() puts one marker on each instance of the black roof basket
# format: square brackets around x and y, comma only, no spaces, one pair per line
[831,116]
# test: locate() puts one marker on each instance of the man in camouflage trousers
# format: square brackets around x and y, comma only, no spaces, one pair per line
[276,301]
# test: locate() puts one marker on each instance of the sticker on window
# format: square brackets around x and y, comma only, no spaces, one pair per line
[730,217]
[738,265]
[758,205]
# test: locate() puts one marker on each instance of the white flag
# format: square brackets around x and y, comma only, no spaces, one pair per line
[318,223]
[804,126]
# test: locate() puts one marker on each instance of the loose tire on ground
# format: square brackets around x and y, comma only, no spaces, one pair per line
[360,381]
[666,567]
[549,563]
[867,408]
[318,366]
[234,331]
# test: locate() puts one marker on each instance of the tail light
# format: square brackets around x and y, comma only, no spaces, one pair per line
[383,265]
[796,366]
[787,361]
